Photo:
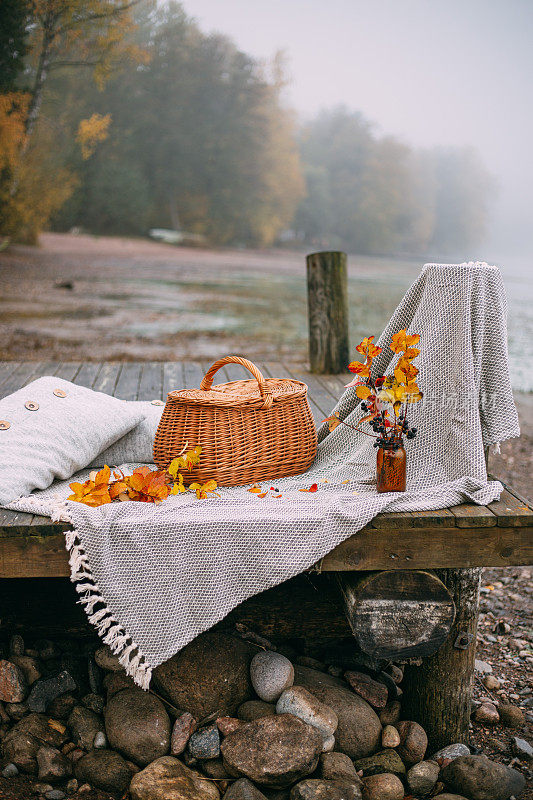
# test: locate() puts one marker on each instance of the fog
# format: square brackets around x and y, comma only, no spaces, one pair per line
[445,72]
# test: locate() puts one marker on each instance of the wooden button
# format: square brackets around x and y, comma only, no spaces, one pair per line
[60,393]
[31,405]
[157,403]
[4,424]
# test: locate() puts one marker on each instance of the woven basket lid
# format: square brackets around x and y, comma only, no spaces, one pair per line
[241,394]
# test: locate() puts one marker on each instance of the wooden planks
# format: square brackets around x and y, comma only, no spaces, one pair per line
[463,536]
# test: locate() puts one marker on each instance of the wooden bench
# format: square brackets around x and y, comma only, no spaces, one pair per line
[453,542]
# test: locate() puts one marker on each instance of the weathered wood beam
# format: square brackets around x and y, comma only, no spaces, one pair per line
[397,613]
[438,693]
[327,295]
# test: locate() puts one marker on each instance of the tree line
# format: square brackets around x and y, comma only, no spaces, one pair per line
[117,116]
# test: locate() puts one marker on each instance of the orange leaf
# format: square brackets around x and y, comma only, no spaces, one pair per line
[263,494]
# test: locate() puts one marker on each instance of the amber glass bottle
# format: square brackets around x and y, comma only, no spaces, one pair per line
[390,468]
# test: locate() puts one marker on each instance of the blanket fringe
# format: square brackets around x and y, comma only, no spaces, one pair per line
[111,632]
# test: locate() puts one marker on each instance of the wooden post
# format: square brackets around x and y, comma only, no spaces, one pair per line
[397,614]
[327,295]
[438,693]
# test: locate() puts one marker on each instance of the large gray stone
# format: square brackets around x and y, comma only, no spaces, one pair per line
[243,789]
[169,779]
[358,731]
[414,741]
[210,675]
[422,777]
[47,689]
[450,752]
[138,726]
[302,704]
[105,770]
[271,673]
[21,743]
[273,751]
[338,766]
[319,789]
[481,779]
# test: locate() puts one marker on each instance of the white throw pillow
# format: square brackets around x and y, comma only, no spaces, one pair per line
[51,429]
[137,446]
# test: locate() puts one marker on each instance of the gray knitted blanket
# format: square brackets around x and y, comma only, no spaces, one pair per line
[151,578]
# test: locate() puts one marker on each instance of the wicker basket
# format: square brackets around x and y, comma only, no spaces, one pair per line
[249,430]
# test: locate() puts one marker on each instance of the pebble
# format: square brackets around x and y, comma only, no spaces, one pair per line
[84,725]
[243,789]
[396,673]
[72,786]
[61,707]
[53,765]
[41,788]
[55,794]
[383,787]
[137,725]
[94,702]
[255,709]
[227,725]
[104,769]
[479,778]
[366,687]
[390,736]
[384,761]
[511,716]
[317,789]
[414,741]
[299,702]
[184,727]
[329,744]
[107,661]
[17,710]
[85,788]
[483,667]
[491,683]
[338,766]
[205,743]
[391,713]
[522,748]
[422,777]
[10,770]
[16,645]
[487,714]
[451,751]
[271,673]
[45,690]
[29,666]
[168,778]
[100,741]
[13,683]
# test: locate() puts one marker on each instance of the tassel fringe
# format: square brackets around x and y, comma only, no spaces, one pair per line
[111,632]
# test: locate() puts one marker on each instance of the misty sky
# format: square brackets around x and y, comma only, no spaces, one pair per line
[433,72]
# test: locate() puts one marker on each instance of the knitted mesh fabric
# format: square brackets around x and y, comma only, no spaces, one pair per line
[153,578]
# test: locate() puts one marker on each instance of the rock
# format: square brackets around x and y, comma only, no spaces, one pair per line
[396,673]
[210,675]
[384,761]
[169,779]
[47,650]
[255,709]
[94,675]
[491,683]
[243,789]
[41,788]
[359,730]
[61,707]
[84,725]
[22,742]
[370,690]
[383,787]
[271,673]
[116,681]
[447,796]
[390,736]
[29,666]
[72,786]
[107,661]
[308,661]
[137,725]
[205,743]
[487,714]
[85,788]
[338,766]
[105,770]
[422,777]
[273,751]
[481,779]
[10,771]
[53,765]
[511,716]
[54,794]
[94,702]
[451,752]
[227,725]
[414,741]
[522,748]
[483,667]
[391,713]
[302,704]
[47,689]
[318,789]
[13,684]
[17,710]
[100,741]
[16,645]
[328,744]
[184,727]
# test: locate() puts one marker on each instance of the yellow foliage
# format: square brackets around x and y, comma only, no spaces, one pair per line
[91,132]
[13,109]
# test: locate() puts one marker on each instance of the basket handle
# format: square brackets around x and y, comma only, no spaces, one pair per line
[207,380]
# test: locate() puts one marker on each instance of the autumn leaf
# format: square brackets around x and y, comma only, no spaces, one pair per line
[255,489]
[312,488]
[363,370]
[263,494]
[333,421]
[363,392]
[178,487]
[203,490]
[403,341]
[367,348]
[186,461]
